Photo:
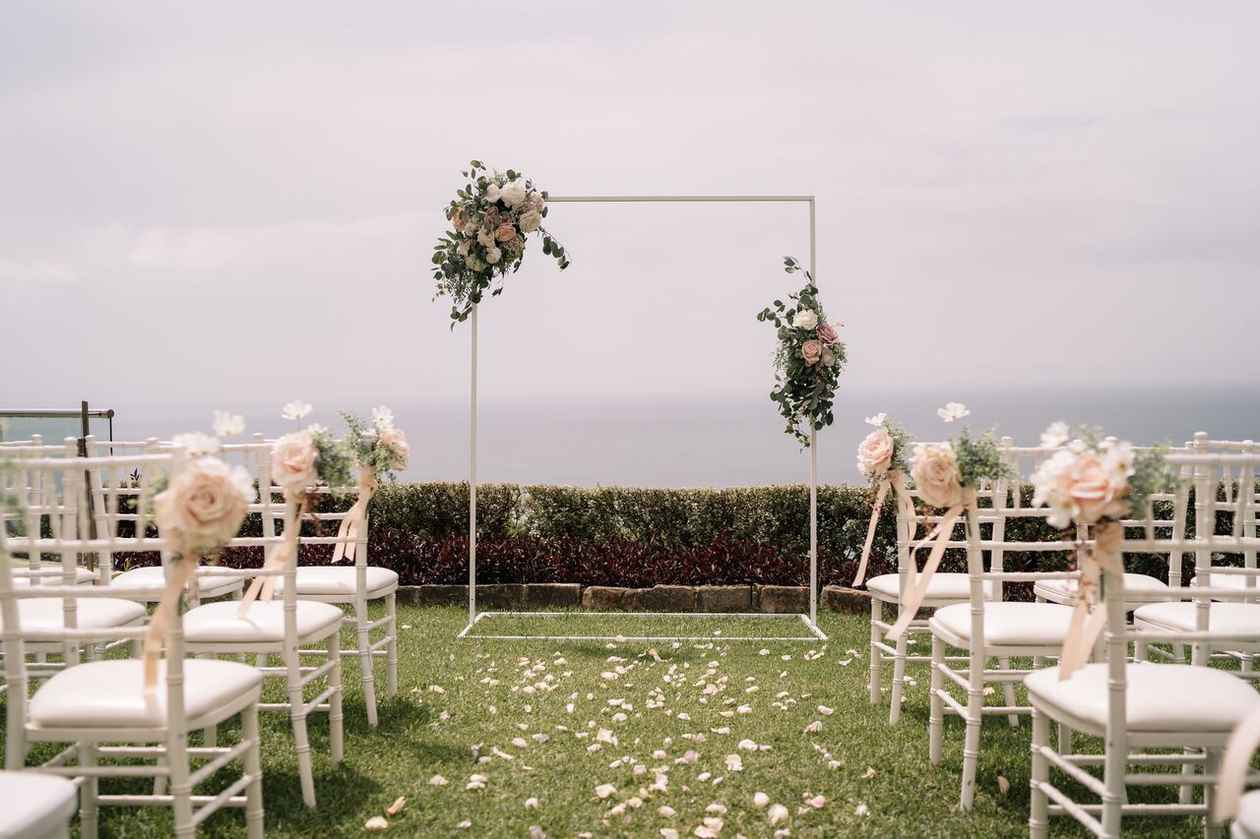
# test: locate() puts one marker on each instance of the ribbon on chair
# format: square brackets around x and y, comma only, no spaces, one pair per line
[940,538]
[264,587]
[1233,775]
[1090,616]
[168,606]
[355,522]
[895,481]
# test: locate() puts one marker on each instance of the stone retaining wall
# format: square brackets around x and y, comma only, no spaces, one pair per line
[532,596]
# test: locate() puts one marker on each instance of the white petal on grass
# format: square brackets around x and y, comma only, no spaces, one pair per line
[734,763]
[397,807]
[817,802]
[869,773]
[760,800]
[825,711]
[604,790]
[777,814]
[376,824]
[464,825]
[536,832]
[438,781]
[861,810]
[814,727]
[747,745]
[717,808]
[531,804]
[665,811]
[669,833]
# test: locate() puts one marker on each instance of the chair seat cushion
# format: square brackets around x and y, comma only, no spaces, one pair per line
[1238,618]
[1008,624]
[41,617]
[1232,581]
[1159,697]
[264,621]
[942,586]
[1247,822]
[36,805]
[111,693]
[338,579]
[1066,589]
[154,578]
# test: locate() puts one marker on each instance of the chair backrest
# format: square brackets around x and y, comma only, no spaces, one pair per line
[59,484]
[1205,472]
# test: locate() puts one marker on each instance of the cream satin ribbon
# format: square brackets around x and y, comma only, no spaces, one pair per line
[896,481]
[1233,776]
[355,522]
[168,605]
[940,536]
[1090,615]
[263,588]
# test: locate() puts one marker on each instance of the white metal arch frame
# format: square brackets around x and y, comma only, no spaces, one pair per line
[809,620]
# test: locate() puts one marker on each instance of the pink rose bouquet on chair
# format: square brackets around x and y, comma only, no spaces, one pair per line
[947,476]
[881,458]
[1093,483]
[380,449]
[808,360]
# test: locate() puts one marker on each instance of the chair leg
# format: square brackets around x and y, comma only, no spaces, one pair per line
[365,658]
[1185,794]
[1008,692]
[1038,807]
[391,654]
[336,725]
[1065,739]
[898,686]
[1212,766]
[971,744]
[253,768]
[936,722]
[877,614]
[209,734]
[88,812]
[297,715]
[181,787]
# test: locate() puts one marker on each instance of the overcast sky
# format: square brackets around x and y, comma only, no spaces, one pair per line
[234,203]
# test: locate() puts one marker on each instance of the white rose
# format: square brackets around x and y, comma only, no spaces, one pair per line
[204,505]
[486,238]
[493,255]
[514,193]
[529,221]
[293,460]
[805,319]
[492,193]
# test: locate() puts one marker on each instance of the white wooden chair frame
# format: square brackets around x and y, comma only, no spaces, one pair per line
[1124,748]
[291,648]
[81,760]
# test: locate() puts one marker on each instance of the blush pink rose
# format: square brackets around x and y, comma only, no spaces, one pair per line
[506,232]
[204,505]
[1096,492]
[936,476]
[811,351]
[827,332]
[293,461]
[395,441]
[875,453]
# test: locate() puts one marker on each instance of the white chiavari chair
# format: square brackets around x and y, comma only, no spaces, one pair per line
[287,628]
[1226,501]
[1145,712]
[946,588]
[36,806]
[102,708]
[356,585]
[116,504]
[990,629]
[15,478]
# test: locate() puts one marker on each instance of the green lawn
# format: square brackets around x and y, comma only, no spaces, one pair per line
[510,702]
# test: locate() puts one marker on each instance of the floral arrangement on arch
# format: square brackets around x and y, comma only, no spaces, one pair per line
[809,358]
[490,218]
[947,475]
[380,449]
[1094,482]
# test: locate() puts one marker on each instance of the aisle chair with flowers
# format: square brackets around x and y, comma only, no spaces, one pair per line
[1143,711]
[109,710]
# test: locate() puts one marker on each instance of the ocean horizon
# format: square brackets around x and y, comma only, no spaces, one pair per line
[710,441]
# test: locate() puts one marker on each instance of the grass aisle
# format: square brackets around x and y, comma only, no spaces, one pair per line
[708,724]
